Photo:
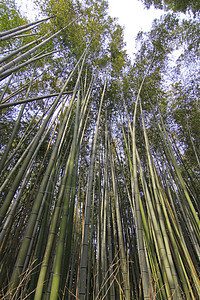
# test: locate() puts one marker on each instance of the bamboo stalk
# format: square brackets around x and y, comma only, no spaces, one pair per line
[4,33]
[84,254]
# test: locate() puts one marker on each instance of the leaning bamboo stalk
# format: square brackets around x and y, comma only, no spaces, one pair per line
[24,138]
[15,129]
[24,87]
[185,258]
[187,288]
[67,178]
[33,219]
[51,240]
[13,53]
[17,180]
[186,210]
[45,221]
[4,33]
[31,60]
[90,243]
[195,220]
[155,227]
[139,229]
[184,218]
[25,163]
[123,260]
[194,148]
[25,35]
[68,243]
[10,217]
[36,206]
[60,246]
[12,210]
[20,161]
[104,211]
[190,230]
[145,226]
[84,249]
[6,88]
[98,278]
[52,231]
[11,35]
[33,99]
[31,248]
[146,283]
[9,65]
[44,200]
[163,240]
[110,257]
[186,255]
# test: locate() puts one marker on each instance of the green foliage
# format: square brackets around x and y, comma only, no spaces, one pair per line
[10,15]
[10,18]
[175,5]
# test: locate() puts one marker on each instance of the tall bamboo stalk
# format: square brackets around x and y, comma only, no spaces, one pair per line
[84,249]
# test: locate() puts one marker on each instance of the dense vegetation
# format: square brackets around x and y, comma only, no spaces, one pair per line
[100,157]
[175,5]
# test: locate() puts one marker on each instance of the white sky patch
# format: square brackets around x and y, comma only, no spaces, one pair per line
[28,8]
[133,17]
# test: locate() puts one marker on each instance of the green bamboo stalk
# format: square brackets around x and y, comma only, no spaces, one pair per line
[63,225]
[33,99]
[146,229]
[4,33]
[13,53]
[99,220]
[188,290]
[19,162]
[65,186]
[163,241]
[155,227]
[15,185]
[15,129]
[195,219]
[139,229]
[11,35]
[110,256]
[44,226]
[104,213]
[52,233]
[123,259]
[84,249]
[23,56]
[24,87]
[102,287]
[146,282]
[3,75]
[193,146]
[12,211]
[66,207]
[191,233]
[51,240]
[37,203]
[6,87]
[88,292]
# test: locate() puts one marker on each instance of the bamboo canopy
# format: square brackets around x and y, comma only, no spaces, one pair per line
[90,206]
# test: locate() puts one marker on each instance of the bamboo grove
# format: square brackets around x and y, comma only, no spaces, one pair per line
[99,199]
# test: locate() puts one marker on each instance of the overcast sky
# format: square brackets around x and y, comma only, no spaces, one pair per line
[132,15]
